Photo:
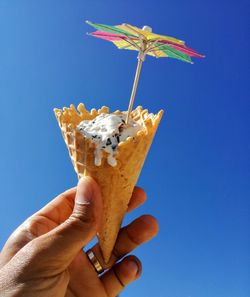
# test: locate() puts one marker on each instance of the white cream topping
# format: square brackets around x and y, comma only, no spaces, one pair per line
[107,131]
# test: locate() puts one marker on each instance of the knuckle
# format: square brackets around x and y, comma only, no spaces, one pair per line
[118,277]
[36,226]
[82,215]
[30,225]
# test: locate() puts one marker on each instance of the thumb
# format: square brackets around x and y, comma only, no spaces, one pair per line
[64,242]
[84,221]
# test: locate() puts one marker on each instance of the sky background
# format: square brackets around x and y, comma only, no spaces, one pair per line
[198,170]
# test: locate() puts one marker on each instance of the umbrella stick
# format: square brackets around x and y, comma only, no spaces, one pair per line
[132,97]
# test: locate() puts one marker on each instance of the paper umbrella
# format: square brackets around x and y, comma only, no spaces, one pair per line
[129,37]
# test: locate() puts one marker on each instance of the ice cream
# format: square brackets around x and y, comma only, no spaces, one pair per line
[116,169]
[107,131]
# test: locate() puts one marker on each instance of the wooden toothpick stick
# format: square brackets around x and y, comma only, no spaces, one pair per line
[132,97]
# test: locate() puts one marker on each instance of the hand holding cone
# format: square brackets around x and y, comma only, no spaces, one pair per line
[117,182]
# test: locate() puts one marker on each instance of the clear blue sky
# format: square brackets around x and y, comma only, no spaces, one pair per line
[198,170]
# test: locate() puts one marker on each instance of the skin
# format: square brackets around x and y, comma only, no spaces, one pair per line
[44,257]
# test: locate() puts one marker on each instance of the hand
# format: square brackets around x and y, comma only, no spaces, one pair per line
[44,256]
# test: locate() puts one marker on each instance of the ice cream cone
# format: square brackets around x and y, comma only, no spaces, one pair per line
[116,182]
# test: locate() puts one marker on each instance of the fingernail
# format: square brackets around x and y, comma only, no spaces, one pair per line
[133,267]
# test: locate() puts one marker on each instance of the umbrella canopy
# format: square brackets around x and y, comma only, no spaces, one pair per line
[146,42]
[129,37]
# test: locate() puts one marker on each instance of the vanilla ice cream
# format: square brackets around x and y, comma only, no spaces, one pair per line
[107,131]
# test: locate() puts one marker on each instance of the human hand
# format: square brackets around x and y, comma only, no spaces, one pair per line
[44,256]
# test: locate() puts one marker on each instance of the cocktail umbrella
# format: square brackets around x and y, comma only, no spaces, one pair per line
[129,37]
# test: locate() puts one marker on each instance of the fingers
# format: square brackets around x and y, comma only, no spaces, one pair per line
[60,208]
[138,198]
[49,217]
[64,242]
[122,274]
[130,237]
[46,219]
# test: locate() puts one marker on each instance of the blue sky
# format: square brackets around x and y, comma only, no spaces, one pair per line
[198,170]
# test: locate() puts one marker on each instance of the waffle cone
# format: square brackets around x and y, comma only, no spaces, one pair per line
[116,183]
